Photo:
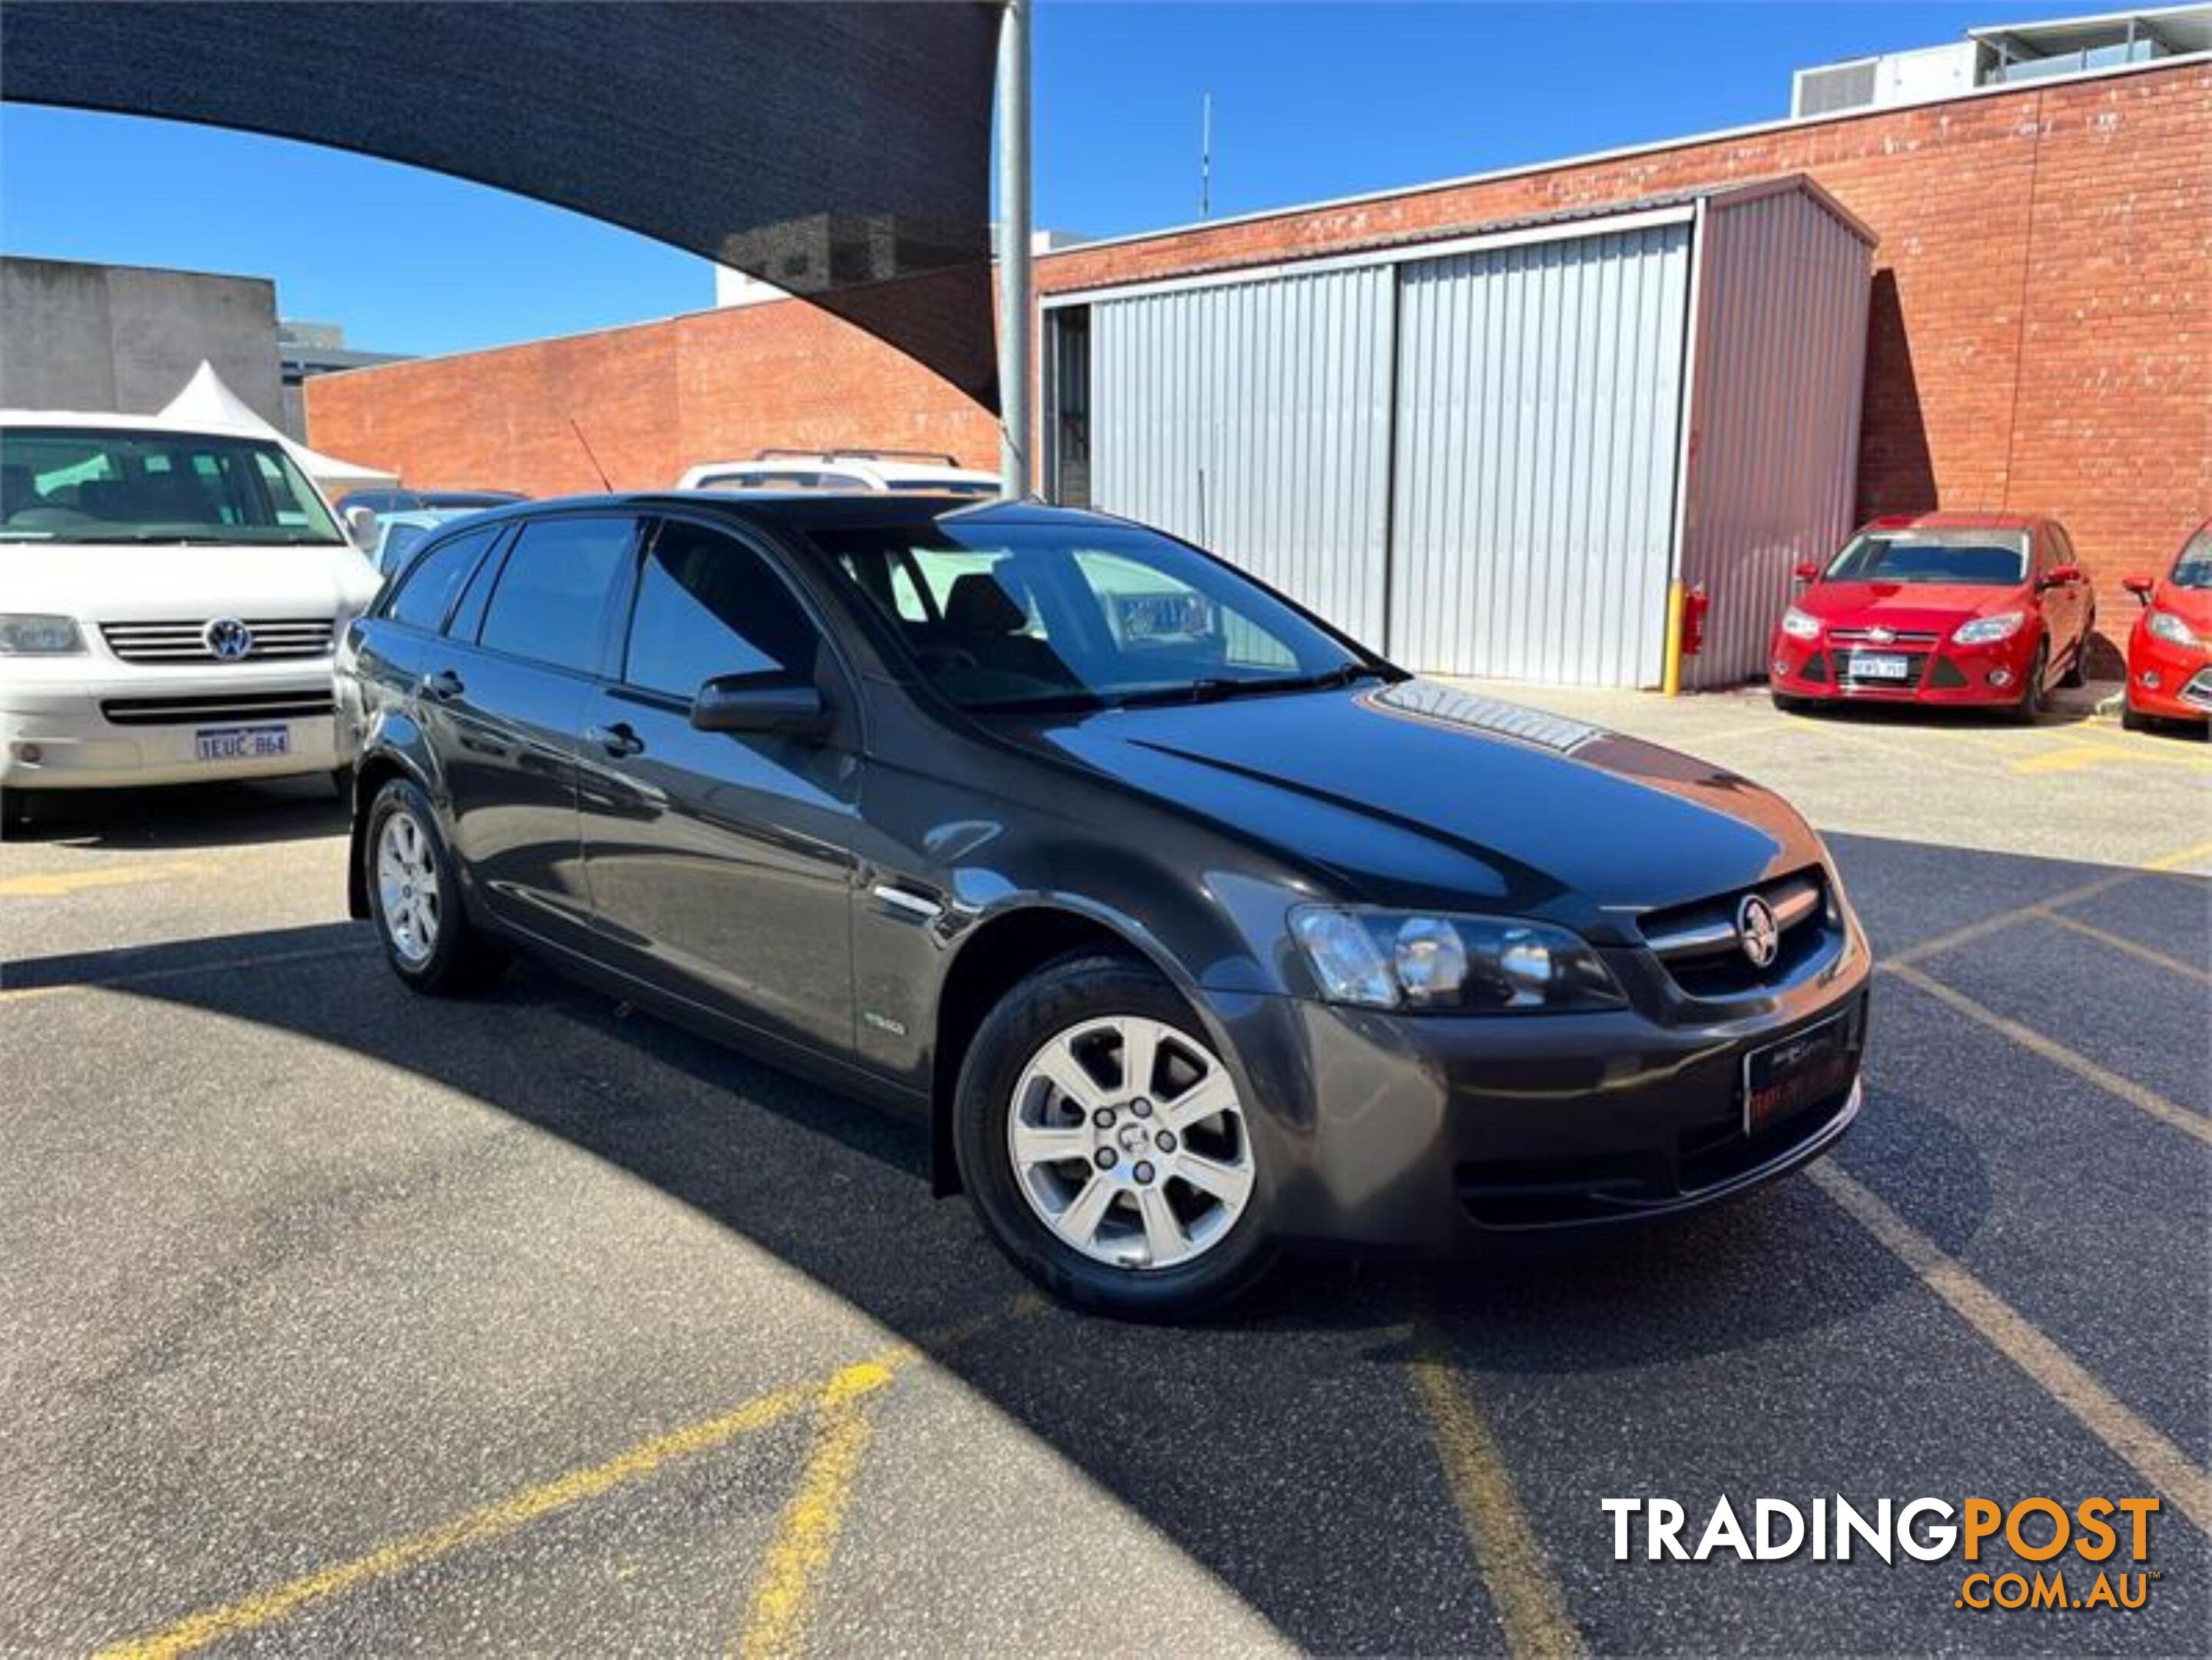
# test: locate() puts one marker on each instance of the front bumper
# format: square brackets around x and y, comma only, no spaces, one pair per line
[1441,1136]
[115,728]
[1938,672]
[2170,682]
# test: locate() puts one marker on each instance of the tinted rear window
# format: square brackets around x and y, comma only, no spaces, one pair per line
[425,596]
[552,593]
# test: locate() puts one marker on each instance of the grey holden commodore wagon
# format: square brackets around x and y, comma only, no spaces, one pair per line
[1193,930]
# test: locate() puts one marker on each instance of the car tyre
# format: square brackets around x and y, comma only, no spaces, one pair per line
[415,898]
[2077,666]
[2030,701]
[2131,718]
[1068,1020]
[15,813]
[1785,704]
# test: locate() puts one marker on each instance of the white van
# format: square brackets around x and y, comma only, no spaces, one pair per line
[170,595]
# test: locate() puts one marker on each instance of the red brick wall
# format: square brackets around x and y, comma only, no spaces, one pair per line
[2041,335]
[652,399]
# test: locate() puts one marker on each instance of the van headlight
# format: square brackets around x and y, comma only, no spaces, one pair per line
[1427,961]
[1988,630]
[1800,625]
[32,633]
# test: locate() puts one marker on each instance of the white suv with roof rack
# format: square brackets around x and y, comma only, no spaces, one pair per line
[843,470]
[170,595]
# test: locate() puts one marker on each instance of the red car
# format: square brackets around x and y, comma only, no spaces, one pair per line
[1973,610]
[2170,651]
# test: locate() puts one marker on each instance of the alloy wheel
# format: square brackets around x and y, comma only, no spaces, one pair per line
[407,888]
[1129,1143]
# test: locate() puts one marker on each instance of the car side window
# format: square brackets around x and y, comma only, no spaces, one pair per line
[426,592]
[552,593]
[708,605]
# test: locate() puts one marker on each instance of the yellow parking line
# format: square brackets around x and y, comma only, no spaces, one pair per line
[235,1619]
[2196,853]
[807,1535]
[58,884]
[1515,1570]
[2164,864]
[2120,943]
[2147,1102]
[494,1520]
[2146,1451]
[2002,920]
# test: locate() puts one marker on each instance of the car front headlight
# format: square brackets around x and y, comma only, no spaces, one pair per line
[1988,630]
[1459,964]
[1800,625]
[2164,625]
[31,634]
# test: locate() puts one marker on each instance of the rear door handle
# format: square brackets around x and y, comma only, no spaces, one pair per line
[619,740]
[443,685]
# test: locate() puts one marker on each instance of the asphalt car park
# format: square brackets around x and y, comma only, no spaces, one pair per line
[337,1317]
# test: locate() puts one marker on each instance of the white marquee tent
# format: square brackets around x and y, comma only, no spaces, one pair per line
[207,401]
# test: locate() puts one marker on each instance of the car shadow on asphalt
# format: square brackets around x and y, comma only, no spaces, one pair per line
[1280,1446]
[184,817]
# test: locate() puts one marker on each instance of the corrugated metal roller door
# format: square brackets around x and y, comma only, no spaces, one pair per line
[1537,434]
[1255,418]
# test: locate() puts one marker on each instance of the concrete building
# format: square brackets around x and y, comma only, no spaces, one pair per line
[127,337]
[2038,336]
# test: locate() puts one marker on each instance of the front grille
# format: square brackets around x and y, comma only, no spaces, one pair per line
[1542,1193]
[217,708]
[1702,951]
[187,642]
[2198,693]
[1896,637]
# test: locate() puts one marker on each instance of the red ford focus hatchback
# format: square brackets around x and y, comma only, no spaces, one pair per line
[2170,653]
[1986,609]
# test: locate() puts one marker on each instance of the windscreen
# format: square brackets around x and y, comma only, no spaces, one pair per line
[118,484]
[1031,617]
[2193,566]
[1967,559]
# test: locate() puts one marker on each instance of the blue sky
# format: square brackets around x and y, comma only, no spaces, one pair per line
[1309,101]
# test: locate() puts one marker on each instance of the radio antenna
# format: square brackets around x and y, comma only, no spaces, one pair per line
[606,483]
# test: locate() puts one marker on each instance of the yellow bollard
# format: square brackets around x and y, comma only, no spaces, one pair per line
[1670,676]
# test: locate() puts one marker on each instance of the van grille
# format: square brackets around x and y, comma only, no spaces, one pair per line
[217,708]
[187,642]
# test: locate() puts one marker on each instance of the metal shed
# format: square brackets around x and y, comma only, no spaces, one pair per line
[1496,455]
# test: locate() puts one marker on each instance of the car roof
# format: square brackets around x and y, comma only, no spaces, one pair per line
[1959,522]
[810,510]
[109,420]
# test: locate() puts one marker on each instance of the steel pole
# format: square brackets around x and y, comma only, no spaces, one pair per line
[1016,299]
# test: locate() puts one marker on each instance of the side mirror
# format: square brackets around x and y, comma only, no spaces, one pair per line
[752,702]
[360,528]
[2059,575]
[1807,571]
[2138,586]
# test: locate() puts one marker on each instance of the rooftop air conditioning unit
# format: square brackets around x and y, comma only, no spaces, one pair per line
[1833,87]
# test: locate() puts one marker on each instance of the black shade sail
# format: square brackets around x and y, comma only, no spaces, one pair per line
[839,151]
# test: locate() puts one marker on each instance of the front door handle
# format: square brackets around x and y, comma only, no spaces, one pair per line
[619,740]
[443,685]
